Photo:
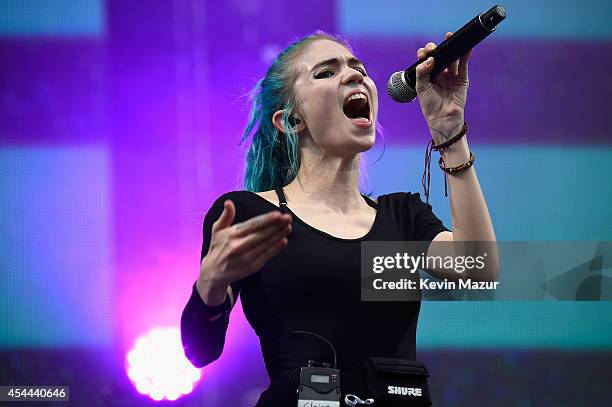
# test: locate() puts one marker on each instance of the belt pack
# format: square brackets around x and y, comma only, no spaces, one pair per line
[397,382]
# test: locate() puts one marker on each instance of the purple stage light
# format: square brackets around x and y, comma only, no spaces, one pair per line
[158,367]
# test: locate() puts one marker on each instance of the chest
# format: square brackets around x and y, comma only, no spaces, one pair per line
[347,226]
[315,272]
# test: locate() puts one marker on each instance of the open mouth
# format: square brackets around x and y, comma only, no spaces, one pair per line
[357,108]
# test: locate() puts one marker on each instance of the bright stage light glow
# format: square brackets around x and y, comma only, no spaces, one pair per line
[158,367]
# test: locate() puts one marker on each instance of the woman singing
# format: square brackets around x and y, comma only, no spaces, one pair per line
[289,244]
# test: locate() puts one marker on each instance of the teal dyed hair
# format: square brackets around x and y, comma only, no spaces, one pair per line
[273,158]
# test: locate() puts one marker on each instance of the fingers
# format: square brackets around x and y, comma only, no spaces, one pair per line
[453,68]
[268,236]
[227,216]
[423,52]
[259,222]
[424,68]
[458,67]
[255,243]
[268,253]
[422,75]
[463,64]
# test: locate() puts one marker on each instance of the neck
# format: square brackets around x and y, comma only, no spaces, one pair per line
[332,182]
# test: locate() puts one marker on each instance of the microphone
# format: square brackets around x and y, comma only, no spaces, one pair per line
[402,84]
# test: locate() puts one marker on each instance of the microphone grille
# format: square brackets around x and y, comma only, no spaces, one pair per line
[399,90]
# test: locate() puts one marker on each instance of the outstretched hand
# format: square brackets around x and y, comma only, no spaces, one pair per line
[239,250]
[443,101]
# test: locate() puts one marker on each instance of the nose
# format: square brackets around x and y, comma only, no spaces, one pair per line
[352,75]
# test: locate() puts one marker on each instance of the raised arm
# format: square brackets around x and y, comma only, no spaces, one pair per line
[442,103]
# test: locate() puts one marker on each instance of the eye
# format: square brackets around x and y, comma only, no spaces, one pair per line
[324,74]
[362,70]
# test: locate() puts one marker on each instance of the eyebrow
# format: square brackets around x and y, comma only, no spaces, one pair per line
[335,61]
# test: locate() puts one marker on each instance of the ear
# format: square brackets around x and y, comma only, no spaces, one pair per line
[277,121]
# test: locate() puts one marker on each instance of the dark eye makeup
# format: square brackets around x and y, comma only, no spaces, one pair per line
[324,73]
[362,70]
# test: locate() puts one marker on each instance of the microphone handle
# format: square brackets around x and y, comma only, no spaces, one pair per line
[452,48]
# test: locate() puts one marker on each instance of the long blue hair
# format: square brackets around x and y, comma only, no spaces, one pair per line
[273,159]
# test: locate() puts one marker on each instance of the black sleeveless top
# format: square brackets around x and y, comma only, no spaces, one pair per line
[312,285]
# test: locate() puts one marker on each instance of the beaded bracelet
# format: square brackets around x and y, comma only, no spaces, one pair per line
[454,170]
[460,167]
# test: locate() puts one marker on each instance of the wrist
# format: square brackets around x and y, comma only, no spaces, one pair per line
[446,130]
[212,292]
[457,153]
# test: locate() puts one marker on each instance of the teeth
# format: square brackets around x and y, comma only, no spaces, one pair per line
[356,96]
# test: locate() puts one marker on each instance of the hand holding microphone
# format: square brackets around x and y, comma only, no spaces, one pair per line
[401,86]
[442,101]
[440,76]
